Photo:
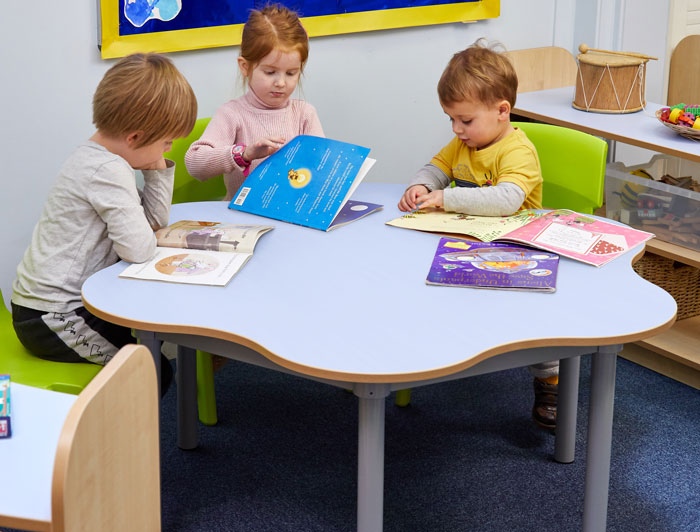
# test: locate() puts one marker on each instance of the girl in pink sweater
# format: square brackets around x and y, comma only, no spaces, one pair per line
[244,131]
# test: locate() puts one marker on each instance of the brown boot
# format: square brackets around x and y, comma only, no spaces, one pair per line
[544,411]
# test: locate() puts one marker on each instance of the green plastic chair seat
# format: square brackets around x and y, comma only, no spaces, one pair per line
[25,368]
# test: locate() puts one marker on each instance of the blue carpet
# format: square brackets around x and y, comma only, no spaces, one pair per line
[464,456]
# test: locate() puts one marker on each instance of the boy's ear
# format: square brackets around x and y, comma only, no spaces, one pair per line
[132,139]
[504,109]
[243,66]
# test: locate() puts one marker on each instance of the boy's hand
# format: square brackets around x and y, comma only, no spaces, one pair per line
[408,200]
[262,148]
[433,199]
[155,165]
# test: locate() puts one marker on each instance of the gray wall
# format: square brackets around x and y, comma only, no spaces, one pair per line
[374,88]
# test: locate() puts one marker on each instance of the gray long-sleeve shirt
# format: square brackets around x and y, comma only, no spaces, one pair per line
[94,215]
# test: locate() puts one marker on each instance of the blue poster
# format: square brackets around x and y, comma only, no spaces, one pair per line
[147,16]
[130,26]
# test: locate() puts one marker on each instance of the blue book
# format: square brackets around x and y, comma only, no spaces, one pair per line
[493,265]
[308,182]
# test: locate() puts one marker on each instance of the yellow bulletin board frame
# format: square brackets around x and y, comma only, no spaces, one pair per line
[115,45]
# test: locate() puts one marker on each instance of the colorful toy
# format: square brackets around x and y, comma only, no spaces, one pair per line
[681,115]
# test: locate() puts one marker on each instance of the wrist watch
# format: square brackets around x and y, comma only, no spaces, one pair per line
[237,152]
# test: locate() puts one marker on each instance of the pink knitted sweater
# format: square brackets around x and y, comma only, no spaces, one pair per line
[243,121]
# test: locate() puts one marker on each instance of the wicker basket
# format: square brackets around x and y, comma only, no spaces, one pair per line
[684,131]
[679,280]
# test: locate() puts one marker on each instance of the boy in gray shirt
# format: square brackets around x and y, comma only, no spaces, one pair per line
[96,215]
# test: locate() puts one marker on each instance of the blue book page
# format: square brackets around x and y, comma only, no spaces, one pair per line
[498,265]
[306,182]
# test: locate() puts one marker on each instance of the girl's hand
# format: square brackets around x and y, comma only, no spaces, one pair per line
[433,199]
[408,200]
[262,148]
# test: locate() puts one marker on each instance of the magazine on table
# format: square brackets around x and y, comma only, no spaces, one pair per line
[197,252]
[499,265]
[576,236]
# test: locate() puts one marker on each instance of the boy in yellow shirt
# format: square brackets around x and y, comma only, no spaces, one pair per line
[490,168]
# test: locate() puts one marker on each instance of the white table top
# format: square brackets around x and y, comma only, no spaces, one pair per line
[352,304]
[26,459]
[553,106]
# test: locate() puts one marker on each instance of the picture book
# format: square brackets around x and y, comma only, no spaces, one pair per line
[499,265]
[567,233]
[307,182]
[5,411]
[208,253]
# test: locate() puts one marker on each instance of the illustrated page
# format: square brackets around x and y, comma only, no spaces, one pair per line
[485,228]
[196,266]
[213,236]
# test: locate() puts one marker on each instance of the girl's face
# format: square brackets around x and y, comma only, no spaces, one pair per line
[274,79]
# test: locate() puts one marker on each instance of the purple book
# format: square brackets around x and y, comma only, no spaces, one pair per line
[493,265]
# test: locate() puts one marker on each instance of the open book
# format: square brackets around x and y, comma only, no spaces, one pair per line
[209,253]
[500,265]
[308,182]
[567,233]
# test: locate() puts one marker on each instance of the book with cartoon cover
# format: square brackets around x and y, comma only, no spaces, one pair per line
[498,265]
[308,182]
[197,252]
[570,234]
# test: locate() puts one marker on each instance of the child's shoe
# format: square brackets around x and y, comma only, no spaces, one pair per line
[544,411]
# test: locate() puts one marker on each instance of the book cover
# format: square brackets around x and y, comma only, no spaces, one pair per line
[567,233]
[307,182]
[493,265]
[354,210]
[197,252]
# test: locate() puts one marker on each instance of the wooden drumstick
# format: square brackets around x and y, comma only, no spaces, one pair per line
[584,48]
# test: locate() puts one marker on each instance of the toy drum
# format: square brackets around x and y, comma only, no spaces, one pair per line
[610,83]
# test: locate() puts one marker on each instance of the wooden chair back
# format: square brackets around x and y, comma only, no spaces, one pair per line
[107,468]
[683,74]
[548,67]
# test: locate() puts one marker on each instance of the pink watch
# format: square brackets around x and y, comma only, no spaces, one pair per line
[237,152]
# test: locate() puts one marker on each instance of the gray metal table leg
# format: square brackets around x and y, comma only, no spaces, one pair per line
[565,442]
[370,461]
[149,339]
[186,378]
[595,504]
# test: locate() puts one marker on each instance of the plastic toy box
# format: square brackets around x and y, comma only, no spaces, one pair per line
[672,213]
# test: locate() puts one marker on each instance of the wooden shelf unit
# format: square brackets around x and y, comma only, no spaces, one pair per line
[681,343]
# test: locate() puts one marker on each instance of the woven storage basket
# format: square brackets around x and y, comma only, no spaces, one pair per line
[684,131]
[679,280]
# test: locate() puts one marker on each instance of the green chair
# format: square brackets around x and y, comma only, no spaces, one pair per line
[187,189]
[573,173]
[25,368]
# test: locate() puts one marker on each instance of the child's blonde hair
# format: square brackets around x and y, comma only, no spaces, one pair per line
[144,92]
[270,28]
[478,74]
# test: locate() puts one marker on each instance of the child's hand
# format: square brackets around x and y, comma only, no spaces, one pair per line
[432,199]
[155,165]
[408,200]
[262,148]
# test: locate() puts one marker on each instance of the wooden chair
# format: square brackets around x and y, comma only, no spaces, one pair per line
[683,74]
[549,67]
[106,470]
